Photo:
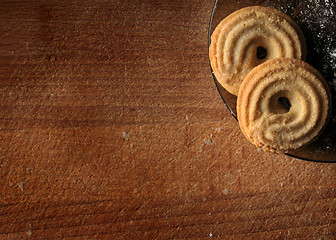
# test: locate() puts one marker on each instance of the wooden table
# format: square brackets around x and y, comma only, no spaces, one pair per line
[111,128]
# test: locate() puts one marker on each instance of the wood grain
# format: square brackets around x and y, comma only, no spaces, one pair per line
[111,128]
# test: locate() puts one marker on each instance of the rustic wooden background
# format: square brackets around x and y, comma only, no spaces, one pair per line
[111,128]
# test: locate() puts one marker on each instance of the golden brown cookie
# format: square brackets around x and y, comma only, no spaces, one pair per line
[283,104]
[249,37]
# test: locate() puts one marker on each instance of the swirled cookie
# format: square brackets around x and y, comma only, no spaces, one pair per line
[283,104]
[249,37]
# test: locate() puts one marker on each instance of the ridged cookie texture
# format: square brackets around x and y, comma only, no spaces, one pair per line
[236,40]
[277,126]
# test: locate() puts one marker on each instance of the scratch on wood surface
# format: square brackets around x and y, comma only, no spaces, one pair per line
[306,204]
[12,30]
[101,170]
[125,68]
[211,165]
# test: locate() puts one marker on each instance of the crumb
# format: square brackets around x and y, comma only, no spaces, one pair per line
[29,232]
[21,185]
[208,141]
[125,135]
[211,234]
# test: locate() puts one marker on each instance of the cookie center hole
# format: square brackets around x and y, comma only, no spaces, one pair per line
[261,53]
[284,103]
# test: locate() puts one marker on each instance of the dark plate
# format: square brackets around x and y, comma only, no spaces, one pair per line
[317,20]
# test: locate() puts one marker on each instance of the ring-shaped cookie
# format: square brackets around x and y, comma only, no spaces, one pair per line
[283,104]
[249,37]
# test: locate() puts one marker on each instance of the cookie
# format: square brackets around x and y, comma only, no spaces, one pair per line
[283,104]
[249,37]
